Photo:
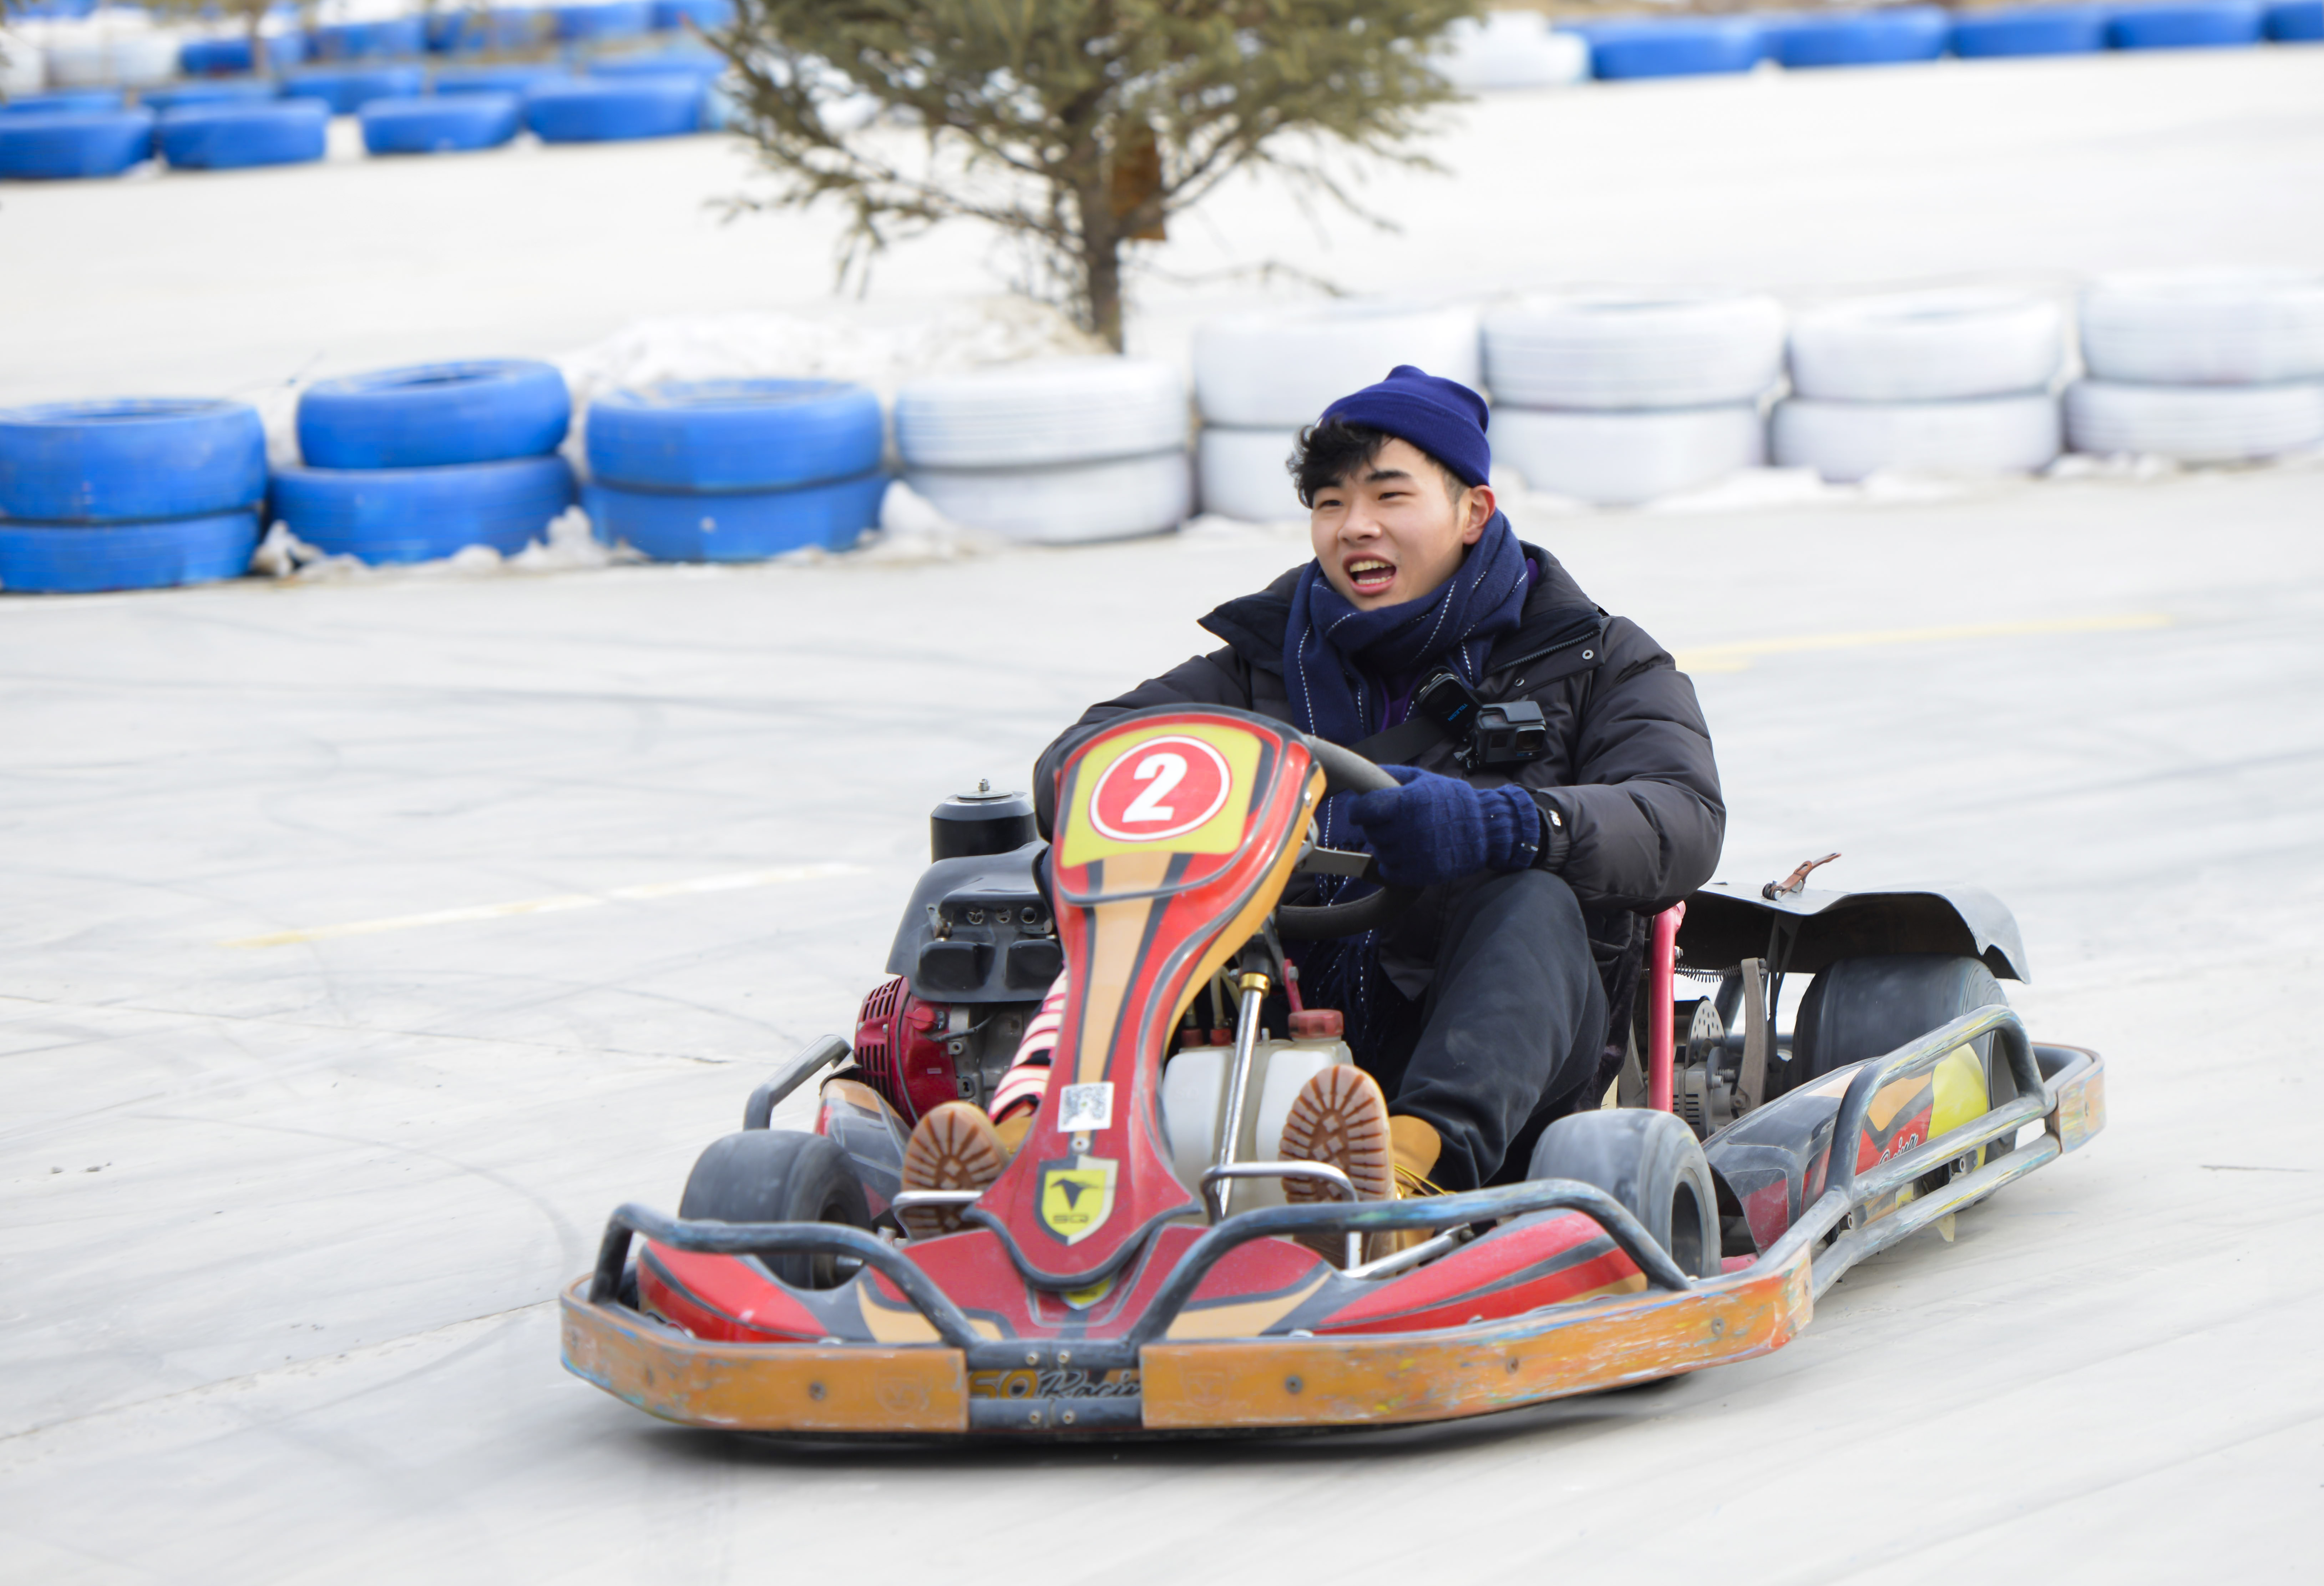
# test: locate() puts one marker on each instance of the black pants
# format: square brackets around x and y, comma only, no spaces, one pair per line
[1508,1033]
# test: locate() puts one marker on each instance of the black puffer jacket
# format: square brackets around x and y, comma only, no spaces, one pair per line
[1629,773]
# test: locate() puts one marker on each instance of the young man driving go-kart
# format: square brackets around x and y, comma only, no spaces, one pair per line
[1556,783]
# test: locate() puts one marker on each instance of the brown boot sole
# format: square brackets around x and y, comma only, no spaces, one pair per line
[954,1147]
[1339,1119]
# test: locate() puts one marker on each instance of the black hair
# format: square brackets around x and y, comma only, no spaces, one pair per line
[1329,452]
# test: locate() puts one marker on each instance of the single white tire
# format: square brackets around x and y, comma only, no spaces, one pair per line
[1044,412]
[117,54]
[1280,368]
[1927,348]
[1064,504]
[2205,327]
[1244,474]
[1975,438]
[1620,459]
[22,66]
[1510,50]
[2193,423]
[1617,350]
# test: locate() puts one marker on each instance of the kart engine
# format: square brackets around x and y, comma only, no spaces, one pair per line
[920,1054]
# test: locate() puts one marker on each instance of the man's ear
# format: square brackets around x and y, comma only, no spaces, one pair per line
[1479,505]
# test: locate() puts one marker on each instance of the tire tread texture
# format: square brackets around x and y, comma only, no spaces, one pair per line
[2205,327]
[776,1175]
[1043,412]
[130,459]
[734,435]
[1975,438]
[1240,474]
[737,525]
[1280,369]
[1625,459]
[80,558]
[1064,504]
[1868,1007]
[1640,1157]
[1625,351]
[1926,347]
[435,415]
[2194,423]
[419,514]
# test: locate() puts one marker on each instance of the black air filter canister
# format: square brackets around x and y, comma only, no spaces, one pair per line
[983,822]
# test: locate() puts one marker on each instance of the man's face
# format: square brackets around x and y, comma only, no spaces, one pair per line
[1394,530]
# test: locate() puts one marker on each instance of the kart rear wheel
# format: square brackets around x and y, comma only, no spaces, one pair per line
[778,1176]
[1860,1008]
[1651,1162]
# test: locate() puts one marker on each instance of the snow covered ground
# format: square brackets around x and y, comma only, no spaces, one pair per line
[283,1203]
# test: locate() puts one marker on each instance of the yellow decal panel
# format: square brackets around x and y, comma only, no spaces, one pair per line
[1166,789]
[1077,1196]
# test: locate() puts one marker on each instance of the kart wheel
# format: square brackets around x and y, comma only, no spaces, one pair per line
[777,1175]
[1651,1162]
[1860,1008]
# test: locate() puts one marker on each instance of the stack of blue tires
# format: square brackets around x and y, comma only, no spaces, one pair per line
[736,470]
[410,465]
[128,494]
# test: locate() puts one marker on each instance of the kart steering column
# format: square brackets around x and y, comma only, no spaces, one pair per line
[1254,985]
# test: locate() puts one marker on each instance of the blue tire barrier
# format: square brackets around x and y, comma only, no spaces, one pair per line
[64,102]
[392,39]
[130,459]
[419,515]
[231,57]
[433,415]
[233,137]
[2296,21]
[446,124]
[348,88]
[245,90]
[699,64]
[499,79]
[1621,50]
[2217,25]
[670,16]
[620,19]
[734,435]
[65,145]
[614,110]
[79,558]
[1872,38]
[2033,30]
[749,527]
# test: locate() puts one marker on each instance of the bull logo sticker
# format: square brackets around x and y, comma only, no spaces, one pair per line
[1077,1196]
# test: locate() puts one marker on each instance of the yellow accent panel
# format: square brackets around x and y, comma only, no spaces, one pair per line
[1959,1079]
[1114,933]
[1245,925]
[1247,1320]
[1079,842]
[904,1323]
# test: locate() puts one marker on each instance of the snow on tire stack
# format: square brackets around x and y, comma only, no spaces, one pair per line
[2212,366]
[1953,382]
[1507,50]
[128,494]
[736,470]
[1260,378]
[410,465]
[1616,399]
[1051,451]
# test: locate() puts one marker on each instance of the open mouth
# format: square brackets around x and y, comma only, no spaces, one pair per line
[1370,575]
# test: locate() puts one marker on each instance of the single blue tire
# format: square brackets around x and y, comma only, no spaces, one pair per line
[670,16]
[614,110]
[233,137]
[623,19]
[1623,50]
[231,57]
[64,102]
[2219,24]
[78,559]
[419,514]
[348,88]
[243,90]
[499,79]
[1874,38]
[2034,29]
[130,459]
[451,124]
[435,415]
[747,527]
[392,39]
[734,435]
[699,64]
[2296,21]
[65,145]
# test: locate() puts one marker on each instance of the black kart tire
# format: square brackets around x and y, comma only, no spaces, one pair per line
[777,1175]
[1651,1163]
[1859,1008]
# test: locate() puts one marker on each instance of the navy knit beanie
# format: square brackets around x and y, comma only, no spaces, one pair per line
[1443,418]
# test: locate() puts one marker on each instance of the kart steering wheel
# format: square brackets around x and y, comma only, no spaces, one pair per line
[1344,772]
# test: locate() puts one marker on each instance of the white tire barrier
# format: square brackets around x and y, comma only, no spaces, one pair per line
[1611,350]
[1243,474]
[1510,50]
[133,59]
[1047,412]
[1623,458]
[1063,503]
[1977,437]
[2194,423]
[21,68]
[1280,368]
[1926,347]
[2205,327]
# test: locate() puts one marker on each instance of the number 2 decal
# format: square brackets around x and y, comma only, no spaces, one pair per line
[1159,789]
[1161,771]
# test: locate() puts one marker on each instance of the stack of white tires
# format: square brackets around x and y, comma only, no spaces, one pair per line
[2214,366]
[1952,383]
[1260,378]
[118,48]
[1510,50]
[1616,399]
[1052,451]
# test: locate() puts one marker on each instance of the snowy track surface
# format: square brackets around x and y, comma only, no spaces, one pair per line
[283,1205]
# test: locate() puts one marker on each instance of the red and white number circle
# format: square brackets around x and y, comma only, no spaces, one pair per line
[1163,788]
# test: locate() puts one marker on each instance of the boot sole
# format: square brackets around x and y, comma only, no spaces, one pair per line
[1339,1119]
[954,1147]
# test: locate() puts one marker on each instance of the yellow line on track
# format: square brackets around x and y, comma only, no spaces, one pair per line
[1738,657]
[733,882]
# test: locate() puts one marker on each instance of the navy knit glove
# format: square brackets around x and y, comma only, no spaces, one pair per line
[1435,829]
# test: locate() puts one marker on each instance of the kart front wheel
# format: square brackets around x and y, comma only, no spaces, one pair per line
[778,1176]
[1649,1161]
